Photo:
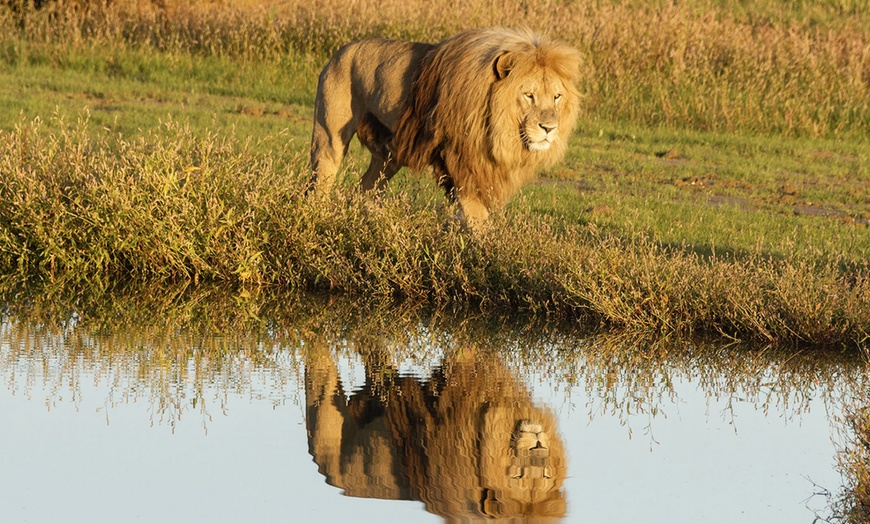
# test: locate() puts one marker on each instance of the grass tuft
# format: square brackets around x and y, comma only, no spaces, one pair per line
[853,506]
[174,207]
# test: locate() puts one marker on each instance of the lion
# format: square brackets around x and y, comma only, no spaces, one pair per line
[486,110]
[468,441]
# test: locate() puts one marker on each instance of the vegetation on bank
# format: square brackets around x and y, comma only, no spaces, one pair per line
[854,505]
[169,206]
[717,183]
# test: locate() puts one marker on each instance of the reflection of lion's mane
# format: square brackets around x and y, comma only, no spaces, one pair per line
[486,109]
[468,442]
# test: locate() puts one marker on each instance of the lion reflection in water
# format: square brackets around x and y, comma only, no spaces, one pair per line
[467,442]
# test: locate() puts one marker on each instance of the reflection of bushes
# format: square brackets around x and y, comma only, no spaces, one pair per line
[168,336]
[185,350]
[854,507]
[167,347]
[172,207]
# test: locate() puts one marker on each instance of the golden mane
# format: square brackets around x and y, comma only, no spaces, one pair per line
[462,118]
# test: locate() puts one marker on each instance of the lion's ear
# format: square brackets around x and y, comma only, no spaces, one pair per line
[503,64]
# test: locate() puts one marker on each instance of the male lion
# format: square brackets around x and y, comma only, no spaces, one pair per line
[486,109]
[468,442]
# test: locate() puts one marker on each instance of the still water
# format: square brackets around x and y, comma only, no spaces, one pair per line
[323,417]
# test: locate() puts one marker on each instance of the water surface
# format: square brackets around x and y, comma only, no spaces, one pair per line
[326,415]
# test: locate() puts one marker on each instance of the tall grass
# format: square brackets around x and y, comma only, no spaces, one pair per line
[172,207]
[797,68]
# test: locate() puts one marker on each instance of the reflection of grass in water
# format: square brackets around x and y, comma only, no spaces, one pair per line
[185,350]
[163,346]
[854,505]
[176,376]
[168,337]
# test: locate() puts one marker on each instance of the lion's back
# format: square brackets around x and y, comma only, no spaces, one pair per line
[377,73]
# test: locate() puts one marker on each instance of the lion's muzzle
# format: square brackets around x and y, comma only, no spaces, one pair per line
[541,132]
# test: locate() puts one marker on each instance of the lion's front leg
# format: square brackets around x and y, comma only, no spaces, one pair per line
[472,212]
[337,113]
[329,142]
[326,411]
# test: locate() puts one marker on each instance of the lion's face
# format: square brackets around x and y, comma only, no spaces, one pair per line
[540,99]
[522,462]
[530,444]
[533,111]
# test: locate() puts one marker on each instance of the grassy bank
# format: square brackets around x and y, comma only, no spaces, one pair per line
[173,207]
[717,183]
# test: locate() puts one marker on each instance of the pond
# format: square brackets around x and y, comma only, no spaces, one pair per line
[204,412]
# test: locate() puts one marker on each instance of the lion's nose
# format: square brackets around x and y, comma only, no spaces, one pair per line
[548,127]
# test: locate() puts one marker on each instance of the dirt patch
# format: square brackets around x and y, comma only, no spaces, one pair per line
[710,180]
[670,154]
[727,200]
[600,210]
[251,110]
[816,211]
[671,157]
[810,210]
[694,181]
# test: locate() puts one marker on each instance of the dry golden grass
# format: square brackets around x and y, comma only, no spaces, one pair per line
[762,66]
[172,207]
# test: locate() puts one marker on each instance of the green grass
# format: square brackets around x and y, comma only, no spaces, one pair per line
[189,165]
[731,192]
[130,91]
[717,184]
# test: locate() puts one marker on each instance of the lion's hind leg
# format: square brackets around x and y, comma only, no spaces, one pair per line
[336,117]
[376,137]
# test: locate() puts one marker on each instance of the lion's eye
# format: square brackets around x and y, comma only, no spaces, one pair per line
[529,96]
[557,97]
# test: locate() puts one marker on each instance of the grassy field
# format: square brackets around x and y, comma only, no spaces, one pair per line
[718,182]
